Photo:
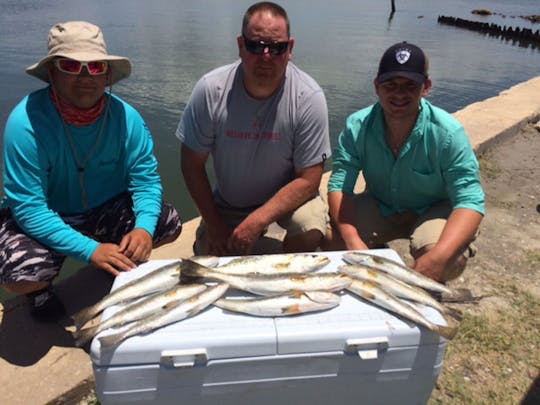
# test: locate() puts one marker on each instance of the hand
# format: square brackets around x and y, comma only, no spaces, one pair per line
[431,265]
[347,238]
[137,245]
[108,257]
[355,244]
[217,238]
[245,235]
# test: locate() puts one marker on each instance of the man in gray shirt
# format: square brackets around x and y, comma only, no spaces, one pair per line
[265,124]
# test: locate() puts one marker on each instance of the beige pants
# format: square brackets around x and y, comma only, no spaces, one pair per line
[311,215]
[421,230]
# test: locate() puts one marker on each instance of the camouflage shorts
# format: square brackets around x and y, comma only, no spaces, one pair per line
[24,258]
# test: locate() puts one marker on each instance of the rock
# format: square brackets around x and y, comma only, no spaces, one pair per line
[482,11]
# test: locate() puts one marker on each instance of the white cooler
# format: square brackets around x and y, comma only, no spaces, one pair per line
[353,353]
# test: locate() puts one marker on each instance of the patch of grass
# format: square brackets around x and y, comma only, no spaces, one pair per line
[532,256]
[491,360]
[504,204]
[488,168]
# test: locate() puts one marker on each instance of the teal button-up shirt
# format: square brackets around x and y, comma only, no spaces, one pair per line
[436,163]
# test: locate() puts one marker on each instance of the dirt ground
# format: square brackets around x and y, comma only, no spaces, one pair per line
[506,266]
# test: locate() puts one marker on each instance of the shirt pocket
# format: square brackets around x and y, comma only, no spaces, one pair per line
[425,183]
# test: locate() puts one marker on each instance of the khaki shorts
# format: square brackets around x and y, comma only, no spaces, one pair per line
[422,230]
[311,215]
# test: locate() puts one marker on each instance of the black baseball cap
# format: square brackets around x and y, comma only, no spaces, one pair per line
[403,60]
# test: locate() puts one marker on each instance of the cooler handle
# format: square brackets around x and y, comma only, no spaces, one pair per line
[367,348]
[183,358]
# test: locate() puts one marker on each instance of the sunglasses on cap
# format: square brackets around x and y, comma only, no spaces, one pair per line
[74,67]
[258,47]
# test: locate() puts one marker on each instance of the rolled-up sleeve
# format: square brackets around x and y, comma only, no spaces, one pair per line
[461,173]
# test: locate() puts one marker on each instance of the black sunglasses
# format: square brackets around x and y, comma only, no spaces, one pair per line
[258,47]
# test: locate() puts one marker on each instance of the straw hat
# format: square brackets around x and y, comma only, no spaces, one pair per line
[81,41]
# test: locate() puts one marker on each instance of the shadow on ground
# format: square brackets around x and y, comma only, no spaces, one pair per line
[23,341]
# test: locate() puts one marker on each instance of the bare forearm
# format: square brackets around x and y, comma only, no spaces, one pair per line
[343,218]
[291,196]
[198,184]
[459,230]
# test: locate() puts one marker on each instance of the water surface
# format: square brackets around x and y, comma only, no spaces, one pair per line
[171,43]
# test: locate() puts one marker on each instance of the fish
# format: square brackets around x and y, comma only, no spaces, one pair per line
[395,286]
[269,284]
[160,279]
[293,303]
[275,263]
[171,313]
[395,269]
[371,292]
[140,309]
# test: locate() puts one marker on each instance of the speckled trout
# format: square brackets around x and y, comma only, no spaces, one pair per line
[395,286]
[371,292]
[160,279]
[276,263]
[396,270]
[168,315]
[281,305]
[269,284]
[140,309]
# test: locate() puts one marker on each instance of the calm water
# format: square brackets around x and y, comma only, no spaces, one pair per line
[173,42]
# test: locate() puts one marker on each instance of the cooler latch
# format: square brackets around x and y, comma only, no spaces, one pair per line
[367,348]
[183,358]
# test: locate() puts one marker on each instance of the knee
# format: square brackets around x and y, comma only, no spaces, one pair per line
[308,241]
[169,239]
[25,287]
[456,268]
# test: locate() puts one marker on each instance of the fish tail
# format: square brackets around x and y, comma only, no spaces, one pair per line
[190,271]
[84,335]
[448,332]
[454,313]
[112,340]
[85,315]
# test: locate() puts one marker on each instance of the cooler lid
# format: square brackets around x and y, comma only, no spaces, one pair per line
[353,326]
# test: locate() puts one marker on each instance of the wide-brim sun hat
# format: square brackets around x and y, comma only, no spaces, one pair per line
[82,41]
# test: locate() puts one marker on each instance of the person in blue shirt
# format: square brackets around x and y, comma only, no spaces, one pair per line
[80,176]
[421,174]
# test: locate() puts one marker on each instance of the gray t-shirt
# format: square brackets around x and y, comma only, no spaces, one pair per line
[255,144]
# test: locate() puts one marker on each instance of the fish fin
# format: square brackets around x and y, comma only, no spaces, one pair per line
[171,304]
[310,295]
[291,309]
[84,316]
[298,293]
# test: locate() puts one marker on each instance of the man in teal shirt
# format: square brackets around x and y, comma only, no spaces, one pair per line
[421,174]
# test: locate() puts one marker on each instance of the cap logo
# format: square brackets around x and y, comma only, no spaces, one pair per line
[402,56]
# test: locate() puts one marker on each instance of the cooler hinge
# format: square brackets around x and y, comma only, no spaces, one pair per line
[183,358]
[367,348]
